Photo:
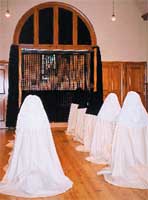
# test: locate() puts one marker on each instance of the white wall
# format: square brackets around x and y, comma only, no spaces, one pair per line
[123,40]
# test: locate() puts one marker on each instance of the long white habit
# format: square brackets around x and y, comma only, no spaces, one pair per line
[34,169]
[90,116]
[100,151]
[79,133]
[72,119]
[88,130]
[129,166]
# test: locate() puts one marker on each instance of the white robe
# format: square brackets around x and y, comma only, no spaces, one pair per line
[88,130]
[34,169]
[78,134]
[72,119]
[101,145]
[129,165]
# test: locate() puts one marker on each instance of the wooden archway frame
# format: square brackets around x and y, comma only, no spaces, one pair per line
[55,5]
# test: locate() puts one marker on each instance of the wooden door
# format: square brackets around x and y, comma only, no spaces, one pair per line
[3,92]
[112,79]
[135,79]
[106,69]
[116,80]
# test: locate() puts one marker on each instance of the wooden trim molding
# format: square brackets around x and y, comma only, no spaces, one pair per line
[95,70]
[55,30]
[36,27]
[3,62]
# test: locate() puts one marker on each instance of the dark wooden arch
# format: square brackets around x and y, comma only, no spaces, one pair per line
[55,5]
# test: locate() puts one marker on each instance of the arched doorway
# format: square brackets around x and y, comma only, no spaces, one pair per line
[57,54]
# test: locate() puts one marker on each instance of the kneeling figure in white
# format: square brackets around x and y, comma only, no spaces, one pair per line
[104,130]
[34,169]
[129,166]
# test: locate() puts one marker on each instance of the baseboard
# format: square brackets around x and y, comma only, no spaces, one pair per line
[58,124]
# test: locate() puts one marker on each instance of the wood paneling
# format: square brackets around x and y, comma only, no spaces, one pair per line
[2,95]
[121,77]
[2,110]
[135,78]
[106,80]
[3,92]
[2,81]
[112,76]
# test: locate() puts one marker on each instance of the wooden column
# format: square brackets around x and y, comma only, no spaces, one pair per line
[95,69]
[20,78]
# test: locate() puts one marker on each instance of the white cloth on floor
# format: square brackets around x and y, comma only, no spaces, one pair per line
[34,169]
[89,126]
[72,118]
[129,164]
[10,144]
[78,134]
[104,130]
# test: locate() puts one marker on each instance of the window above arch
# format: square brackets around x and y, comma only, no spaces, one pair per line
[45,23]
[27,31]
[54,25]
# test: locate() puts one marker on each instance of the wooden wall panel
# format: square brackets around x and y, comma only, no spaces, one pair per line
[112,78]
[121,77]
[106,80]
[3,92]
[135,78]
[2,109]
[2,81]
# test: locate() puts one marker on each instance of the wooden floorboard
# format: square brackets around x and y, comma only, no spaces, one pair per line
[87,185]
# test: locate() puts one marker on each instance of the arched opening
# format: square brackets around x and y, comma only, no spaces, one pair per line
[54,25]
[57,54]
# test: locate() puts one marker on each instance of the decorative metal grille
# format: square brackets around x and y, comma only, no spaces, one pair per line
[55,70]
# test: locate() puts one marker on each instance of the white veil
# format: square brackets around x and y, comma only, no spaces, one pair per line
[129,163]
[110,108]
[133,112]
[101,145]
[34,169]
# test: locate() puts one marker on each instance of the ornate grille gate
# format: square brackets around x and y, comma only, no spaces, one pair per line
[54,76]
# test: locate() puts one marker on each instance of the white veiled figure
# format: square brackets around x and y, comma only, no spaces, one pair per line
[79,133]
[129,166]
[94,104]
[34,169]
[88,130]
[72,118]
[101,145]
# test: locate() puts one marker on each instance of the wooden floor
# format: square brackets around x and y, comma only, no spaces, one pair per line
[87,185]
